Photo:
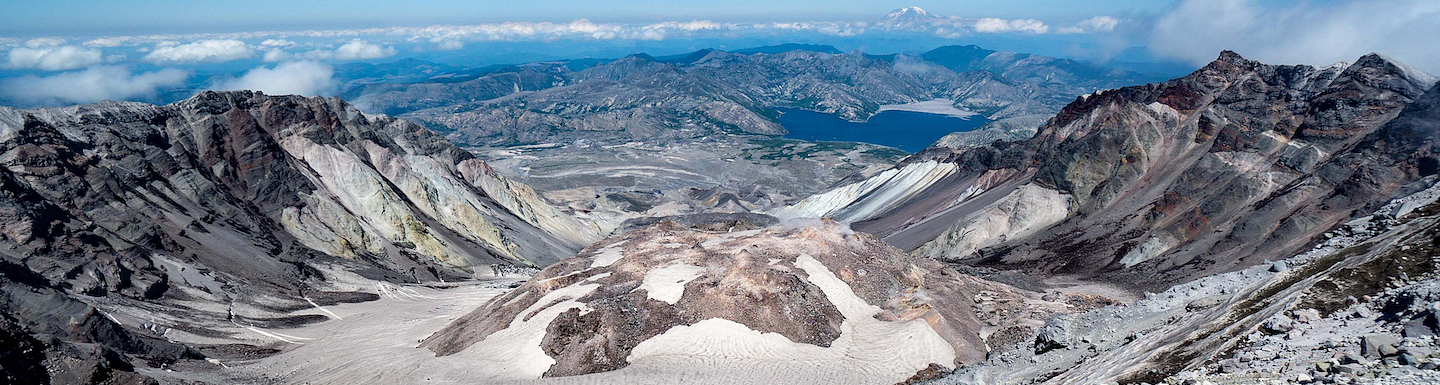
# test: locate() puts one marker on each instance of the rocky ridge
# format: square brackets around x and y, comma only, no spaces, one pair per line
[1357,308]
[227,208]
[1236,163]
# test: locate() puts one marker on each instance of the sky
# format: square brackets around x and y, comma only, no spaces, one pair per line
[60,52]
[29,17]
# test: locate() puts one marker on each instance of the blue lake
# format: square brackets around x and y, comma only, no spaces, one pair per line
[905,130]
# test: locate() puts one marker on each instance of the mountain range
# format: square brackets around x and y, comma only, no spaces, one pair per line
[1242,221]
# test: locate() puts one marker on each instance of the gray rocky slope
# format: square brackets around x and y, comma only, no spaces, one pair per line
[1151,185]
[231,205]
[1358,307]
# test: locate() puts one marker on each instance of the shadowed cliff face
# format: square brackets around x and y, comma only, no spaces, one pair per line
[1233,164]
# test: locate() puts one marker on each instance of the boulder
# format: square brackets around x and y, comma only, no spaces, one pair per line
[1379,345]
[1055,335]
[1423,325]
[1279,324]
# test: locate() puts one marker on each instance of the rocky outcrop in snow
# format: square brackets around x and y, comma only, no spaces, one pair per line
[819,300]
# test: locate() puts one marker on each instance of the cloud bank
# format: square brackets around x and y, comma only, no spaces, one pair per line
[298,78]
[276,46]
[90,85]
[1092,25]
[53,58]
[1301,32]
[993,25]
[360,49]
[213,50]
[353,50]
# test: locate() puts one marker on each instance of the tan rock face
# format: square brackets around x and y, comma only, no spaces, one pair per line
[630,289]
[251,188]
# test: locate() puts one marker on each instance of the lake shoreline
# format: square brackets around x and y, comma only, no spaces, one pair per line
[905,129]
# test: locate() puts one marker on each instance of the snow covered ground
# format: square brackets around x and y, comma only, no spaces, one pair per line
[376,342]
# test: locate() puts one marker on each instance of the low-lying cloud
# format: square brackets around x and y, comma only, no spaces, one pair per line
[1095,24]
[1317,33]
[353,50]
[53,58]
[360,49]
[90,85]
[371,43]
[199,51]
[298,78]
[993,25]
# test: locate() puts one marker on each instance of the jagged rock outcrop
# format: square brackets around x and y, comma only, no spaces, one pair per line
[808,297]
[230,205]
[1233,164]
[49,338]
[246,173]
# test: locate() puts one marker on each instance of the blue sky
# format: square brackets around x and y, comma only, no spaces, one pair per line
[29,18]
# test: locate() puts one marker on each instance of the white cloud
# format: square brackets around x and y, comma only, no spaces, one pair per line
[44,42]
[1301,32]
[300,78]
[199,51]
[353,50]
[54,58]
[1092,25]
[276,55]
[693,25]
[277,43]
[91,85]
[359,49]
[993,25]
[107,42]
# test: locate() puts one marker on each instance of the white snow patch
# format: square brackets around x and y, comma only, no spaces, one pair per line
[867,351]
[607,256]
[667,284]
[597,277]
[515,351]
[874,195]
